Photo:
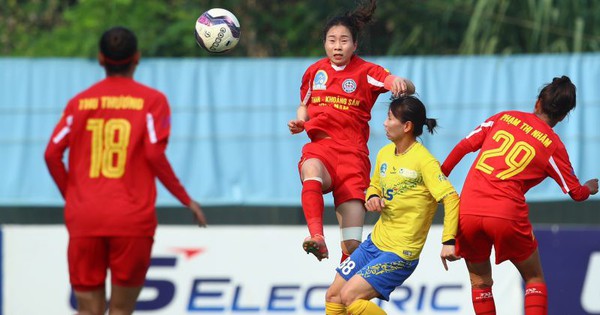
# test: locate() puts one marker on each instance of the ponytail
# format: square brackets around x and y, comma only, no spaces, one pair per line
[431,123]
[355,21]
[558,98]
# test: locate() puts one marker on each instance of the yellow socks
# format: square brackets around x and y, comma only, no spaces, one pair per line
[364,307]
[335,309]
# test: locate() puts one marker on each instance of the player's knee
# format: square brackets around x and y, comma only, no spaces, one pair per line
[312,168]
[351,238]
[91,310]
[90,303]
[536,279]
[332,295]
[481,283]
[347,296]
[121,309]
[349,246]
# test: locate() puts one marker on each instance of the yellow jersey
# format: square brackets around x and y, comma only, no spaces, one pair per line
[411,185]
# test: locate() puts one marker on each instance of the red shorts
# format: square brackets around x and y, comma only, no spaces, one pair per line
[128,259]
[348,167]
[512,240]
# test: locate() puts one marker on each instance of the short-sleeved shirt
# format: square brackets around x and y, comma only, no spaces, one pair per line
[340,99]
[109,129]
[411,185]
[517,151]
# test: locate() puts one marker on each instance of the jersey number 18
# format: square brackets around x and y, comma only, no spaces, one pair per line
[110,139]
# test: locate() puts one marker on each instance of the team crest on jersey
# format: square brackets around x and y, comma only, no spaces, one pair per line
[382,169]
[319,83]
[349,86]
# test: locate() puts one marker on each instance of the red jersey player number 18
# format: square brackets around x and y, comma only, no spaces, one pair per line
[116,132]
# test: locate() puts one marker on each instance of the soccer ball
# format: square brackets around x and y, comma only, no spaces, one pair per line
[217,30]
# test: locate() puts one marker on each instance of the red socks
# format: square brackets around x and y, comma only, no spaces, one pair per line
[536,299]
[313,206]
[344,256]
[483,301]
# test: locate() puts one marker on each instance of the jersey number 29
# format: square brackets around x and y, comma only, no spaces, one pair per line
[517,155]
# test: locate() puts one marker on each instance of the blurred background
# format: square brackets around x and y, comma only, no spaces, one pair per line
[69,28]
[448,41]
[230,145]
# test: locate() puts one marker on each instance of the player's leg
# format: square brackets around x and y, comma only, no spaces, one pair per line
[315,180]
[351,217]
[352,180]
[123,299]
[333,300]
[366,284]
[90,302]
[480,275]
[88,263]
[515,242]
[129,262]
[474,244]
[344,272]
[536,292]
[357,295]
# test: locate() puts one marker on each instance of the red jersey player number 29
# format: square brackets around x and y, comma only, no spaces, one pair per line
[517,155]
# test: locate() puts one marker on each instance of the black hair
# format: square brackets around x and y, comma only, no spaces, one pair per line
[558,98]
[118,45]
[355,20]
[409,108]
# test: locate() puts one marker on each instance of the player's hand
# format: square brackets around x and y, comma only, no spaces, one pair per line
[198,214]
[592,184]
[449,254]
[296,126]
[402,86]
[375,204]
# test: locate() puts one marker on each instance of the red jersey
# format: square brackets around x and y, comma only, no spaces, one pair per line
[517,151]
[116,132]
[340,99]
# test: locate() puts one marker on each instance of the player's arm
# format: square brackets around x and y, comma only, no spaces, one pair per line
[561,170]
[373,200]
[155,146]
[297,125]
[157,158]
[442,190]
[161,167]
[450,202]
[471,143]
[455,156]
[398,85]
[54,153]
[592,185]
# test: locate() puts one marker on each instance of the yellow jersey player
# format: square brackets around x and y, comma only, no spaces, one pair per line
[406,186]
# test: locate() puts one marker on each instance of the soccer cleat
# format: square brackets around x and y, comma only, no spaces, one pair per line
[316,246]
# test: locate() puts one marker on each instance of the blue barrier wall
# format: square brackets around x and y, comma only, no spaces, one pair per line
[230,144]
[571,260]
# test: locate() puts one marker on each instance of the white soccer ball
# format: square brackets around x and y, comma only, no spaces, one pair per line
[217,30]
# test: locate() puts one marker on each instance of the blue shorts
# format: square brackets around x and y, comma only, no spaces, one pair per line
[384,271]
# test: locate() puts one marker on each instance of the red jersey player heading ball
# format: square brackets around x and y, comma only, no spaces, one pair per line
[116,132]
[517,151]
[337,95]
